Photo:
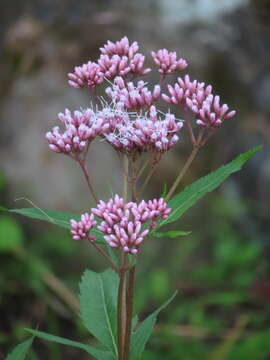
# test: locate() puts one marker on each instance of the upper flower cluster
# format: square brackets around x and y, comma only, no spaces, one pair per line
[129,120]
[121,223]
[116,59]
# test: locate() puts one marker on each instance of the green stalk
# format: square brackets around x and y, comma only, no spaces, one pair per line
[182,172]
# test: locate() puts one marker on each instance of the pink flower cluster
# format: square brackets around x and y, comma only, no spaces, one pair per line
[198,98]
[86,75]
[122,223]
[168,62]
[209,111]
[80,229]
[131,96]
[185,89]
[120,47]
[146,133]
[129,122]
[118,58]
[80,128]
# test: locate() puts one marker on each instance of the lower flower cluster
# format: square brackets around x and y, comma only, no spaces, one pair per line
[122,224]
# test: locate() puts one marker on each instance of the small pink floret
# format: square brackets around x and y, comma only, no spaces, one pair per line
[168,62]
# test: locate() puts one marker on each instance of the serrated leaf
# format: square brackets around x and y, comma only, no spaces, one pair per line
[181,202]
[21,350]
[11,236]
[59,218]
[142,334]
[98,354]
[171,234]
[98,305]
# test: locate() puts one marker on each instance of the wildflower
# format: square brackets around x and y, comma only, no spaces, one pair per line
[122,223]
[80,128]
[167,61]
[145,133]
[121,48]
[120,58]
[132,96]
[209,112]
[86,75]
[113,66]
[80,229]
[184,89]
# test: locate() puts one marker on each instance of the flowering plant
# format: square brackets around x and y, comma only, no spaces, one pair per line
[128,119]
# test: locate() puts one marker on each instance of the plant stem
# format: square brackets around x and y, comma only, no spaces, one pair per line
[125,177]
[151,172]
[142,169]
[121,308]
[87,178]
[133,181]
[130,295]
[182,172]
[104,254]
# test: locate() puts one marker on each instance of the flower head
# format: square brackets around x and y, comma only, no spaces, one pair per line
[168,62]
[80,229]
[114,65]
[208,111]
[80,128]
[184,89]
[85,75]
[145,133]
[120,47]
[121,58]
[122,223]
[132,96]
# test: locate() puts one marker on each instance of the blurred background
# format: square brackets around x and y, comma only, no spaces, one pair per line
[222,269]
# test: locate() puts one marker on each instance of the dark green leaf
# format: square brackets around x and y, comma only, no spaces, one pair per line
[181,202]
[21,350]
[142,334]
[98,354]
[98,304]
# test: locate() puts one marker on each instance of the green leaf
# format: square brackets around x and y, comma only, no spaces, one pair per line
[98,305]
[60,218]
[11,236]
[20,351]
[181,202]
[142,334]
[171,234]
[98,354]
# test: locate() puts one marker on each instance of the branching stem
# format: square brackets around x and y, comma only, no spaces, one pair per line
[182,172]
[87,178]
